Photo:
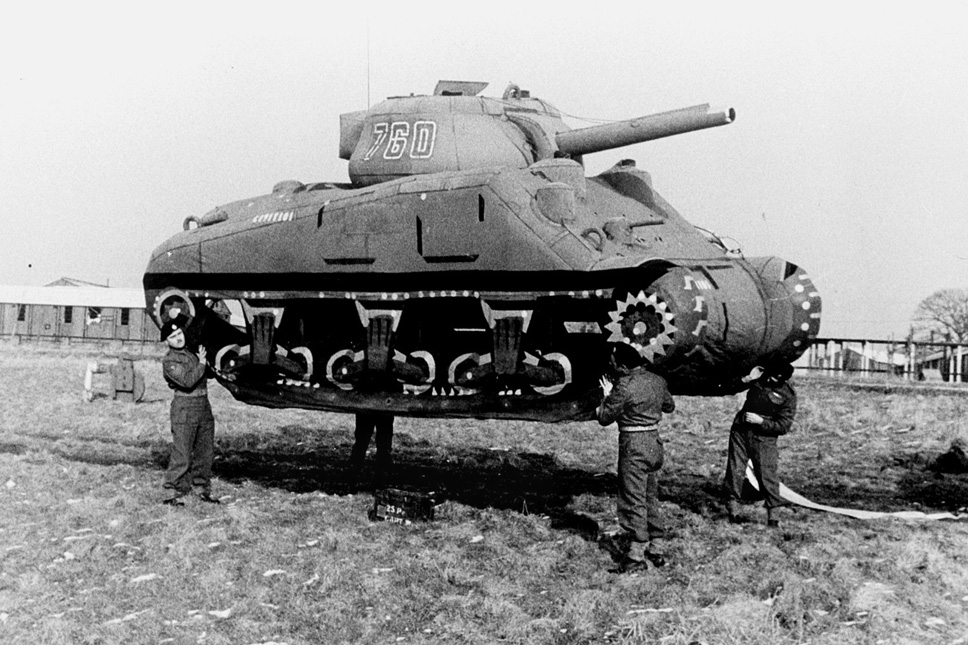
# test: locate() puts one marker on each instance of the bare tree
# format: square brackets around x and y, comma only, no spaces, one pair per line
[944,312]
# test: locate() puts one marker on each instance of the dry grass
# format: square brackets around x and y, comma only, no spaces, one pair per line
[87,555]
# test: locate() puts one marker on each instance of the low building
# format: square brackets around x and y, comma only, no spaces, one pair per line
[82,313]
[856,356]
[866,357]
[950,363]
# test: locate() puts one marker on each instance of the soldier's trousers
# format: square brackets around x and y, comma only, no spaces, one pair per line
[744,445]
[366,423]
[640,456]
[192,444]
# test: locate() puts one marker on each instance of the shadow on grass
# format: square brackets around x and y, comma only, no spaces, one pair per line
[302,460]
[479,477]
[305,460]
[905,482]
[935,490]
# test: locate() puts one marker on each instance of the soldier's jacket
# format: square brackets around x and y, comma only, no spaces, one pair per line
[184,373]
[638,399]
[776,404]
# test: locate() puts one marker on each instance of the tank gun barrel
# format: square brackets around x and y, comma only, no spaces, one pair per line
[645,128]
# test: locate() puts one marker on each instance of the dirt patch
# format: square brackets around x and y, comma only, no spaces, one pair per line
[7,448]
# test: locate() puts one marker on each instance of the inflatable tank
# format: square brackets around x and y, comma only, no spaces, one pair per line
[470,268]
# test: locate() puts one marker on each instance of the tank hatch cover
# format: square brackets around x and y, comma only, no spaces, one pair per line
[459,88]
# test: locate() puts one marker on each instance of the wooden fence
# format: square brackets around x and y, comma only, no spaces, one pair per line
[911,360]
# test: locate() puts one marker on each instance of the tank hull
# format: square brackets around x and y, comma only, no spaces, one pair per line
[486,293]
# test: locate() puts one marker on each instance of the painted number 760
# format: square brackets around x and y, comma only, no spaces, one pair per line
[400,137]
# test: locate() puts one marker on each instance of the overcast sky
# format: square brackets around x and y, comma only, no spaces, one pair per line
[849,155]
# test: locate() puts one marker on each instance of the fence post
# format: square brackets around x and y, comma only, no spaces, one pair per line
[912,359]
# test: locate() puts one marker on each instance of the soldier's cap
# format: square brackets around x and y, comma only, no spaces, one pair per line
[179,322]
[625,357]
[780,370]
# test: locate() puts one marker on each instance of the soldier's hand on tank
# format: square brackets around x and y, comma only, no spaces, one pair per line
[606,385]
[202,353]
[754,374]
[752,417]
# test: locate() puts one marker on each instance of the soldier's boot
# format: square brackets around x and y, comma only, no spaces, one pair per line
[636,560]
[206,496]
[175,500]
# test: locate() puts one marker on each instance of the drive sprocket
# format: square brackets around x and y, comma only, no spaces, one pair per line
[645,323]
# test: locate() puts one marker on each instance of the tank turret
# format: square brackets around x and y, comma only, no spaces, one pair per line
[456,130]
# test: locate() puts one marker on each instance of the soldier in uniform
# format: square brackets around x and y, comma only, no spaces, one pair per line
[636,400]
[366,423]
[192,423]
[767,413]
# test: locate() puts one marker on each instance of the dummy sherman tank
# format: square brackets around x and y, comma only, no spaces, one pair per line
[471,269]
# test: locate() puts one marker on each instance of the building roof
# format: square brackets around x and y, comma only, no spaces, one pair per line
[73,282]
[939,354]
[73,296]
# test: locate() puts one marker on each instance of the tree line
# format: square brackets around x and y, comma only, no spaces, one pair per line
[942,316]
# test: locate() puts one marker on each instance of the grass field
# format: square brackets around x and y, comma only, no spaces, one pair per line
[88,555]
